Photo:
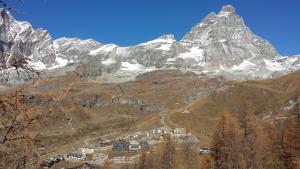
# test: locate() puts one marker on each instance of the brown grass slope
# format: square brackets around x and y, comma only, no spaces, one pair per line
[72,123]
[168,92]
[256,97]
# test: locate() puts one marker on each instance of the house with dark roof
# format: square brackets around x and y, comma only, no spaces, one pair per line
[85,166]
[120,145]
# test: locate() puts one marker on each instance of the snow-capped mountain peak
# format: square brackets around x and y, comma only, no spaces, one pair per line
[220,44]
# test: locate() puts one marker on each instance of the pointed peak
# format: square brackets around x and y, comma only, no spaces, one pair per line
[226,11]
[5,16]
[228,8]
[4,12]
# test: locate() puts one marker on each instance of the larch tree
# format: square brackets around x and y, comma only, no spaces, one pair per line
[273,136]
[226,144]
[189,156]
[18,147]
[152,160]
[142,164]
[253,143]
[206,162]
[291,144]
[256,143]
[167,160]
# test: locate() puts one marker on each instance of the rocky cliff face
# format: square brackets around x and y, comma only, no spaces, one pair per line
[18,39]
[225,40]
[221,44]
[73,49]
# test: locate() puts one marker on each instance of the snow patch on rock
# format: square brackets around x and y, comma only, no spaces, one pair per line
[135,67]
[194,53]
[103,49]
[59,63]
[245,65]
[164,39]
[108,61]
[38,65]
[273,66]
[165,47]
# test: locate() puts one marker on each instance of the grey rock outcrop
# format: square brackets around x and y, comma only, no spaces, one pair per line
[74,49]
[18,39]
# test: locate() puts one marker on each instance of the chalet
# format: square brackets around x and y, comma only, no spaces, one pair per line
[75,156]
[86,150]
[85,166]
[204,150]
[134,146]
[104,142]
[159,132]
[181,132]
[120,145]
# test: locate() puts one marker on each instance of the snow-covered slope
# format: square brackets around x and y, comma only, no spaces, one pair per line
[221,44]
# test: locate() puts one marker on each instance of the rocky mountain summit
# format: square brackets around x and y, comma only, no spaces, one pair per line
[227,41]
[221,44]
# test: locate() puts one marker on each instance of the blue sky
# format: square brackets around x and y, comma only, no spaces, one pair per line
[129,22]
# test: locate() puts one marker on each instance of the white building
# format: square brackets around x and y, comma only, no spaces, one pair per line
[134,146]
[75,156]
[181,132]
[204,150]
[87,150]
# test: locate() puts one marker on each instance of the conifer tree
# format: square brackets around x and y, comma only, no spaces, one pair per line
[226,144]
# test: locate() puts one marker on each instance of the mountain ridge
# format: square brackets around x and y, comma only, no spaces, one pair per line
[220,44]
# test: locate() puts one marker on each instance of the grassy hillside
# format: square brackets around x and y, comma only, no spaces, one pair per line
[255,97]
[84,110]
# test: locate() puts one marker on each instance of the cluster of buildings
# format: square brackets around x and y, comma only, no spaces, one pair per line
[79,154]
[122,145]
[132,143]
[84,166]
[75,156]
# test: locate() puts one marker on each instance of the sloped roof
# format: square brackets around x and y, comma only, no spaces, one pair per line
[85,166]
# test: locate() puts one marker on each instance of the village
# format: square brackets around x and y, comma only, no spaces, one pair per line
[123,150]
